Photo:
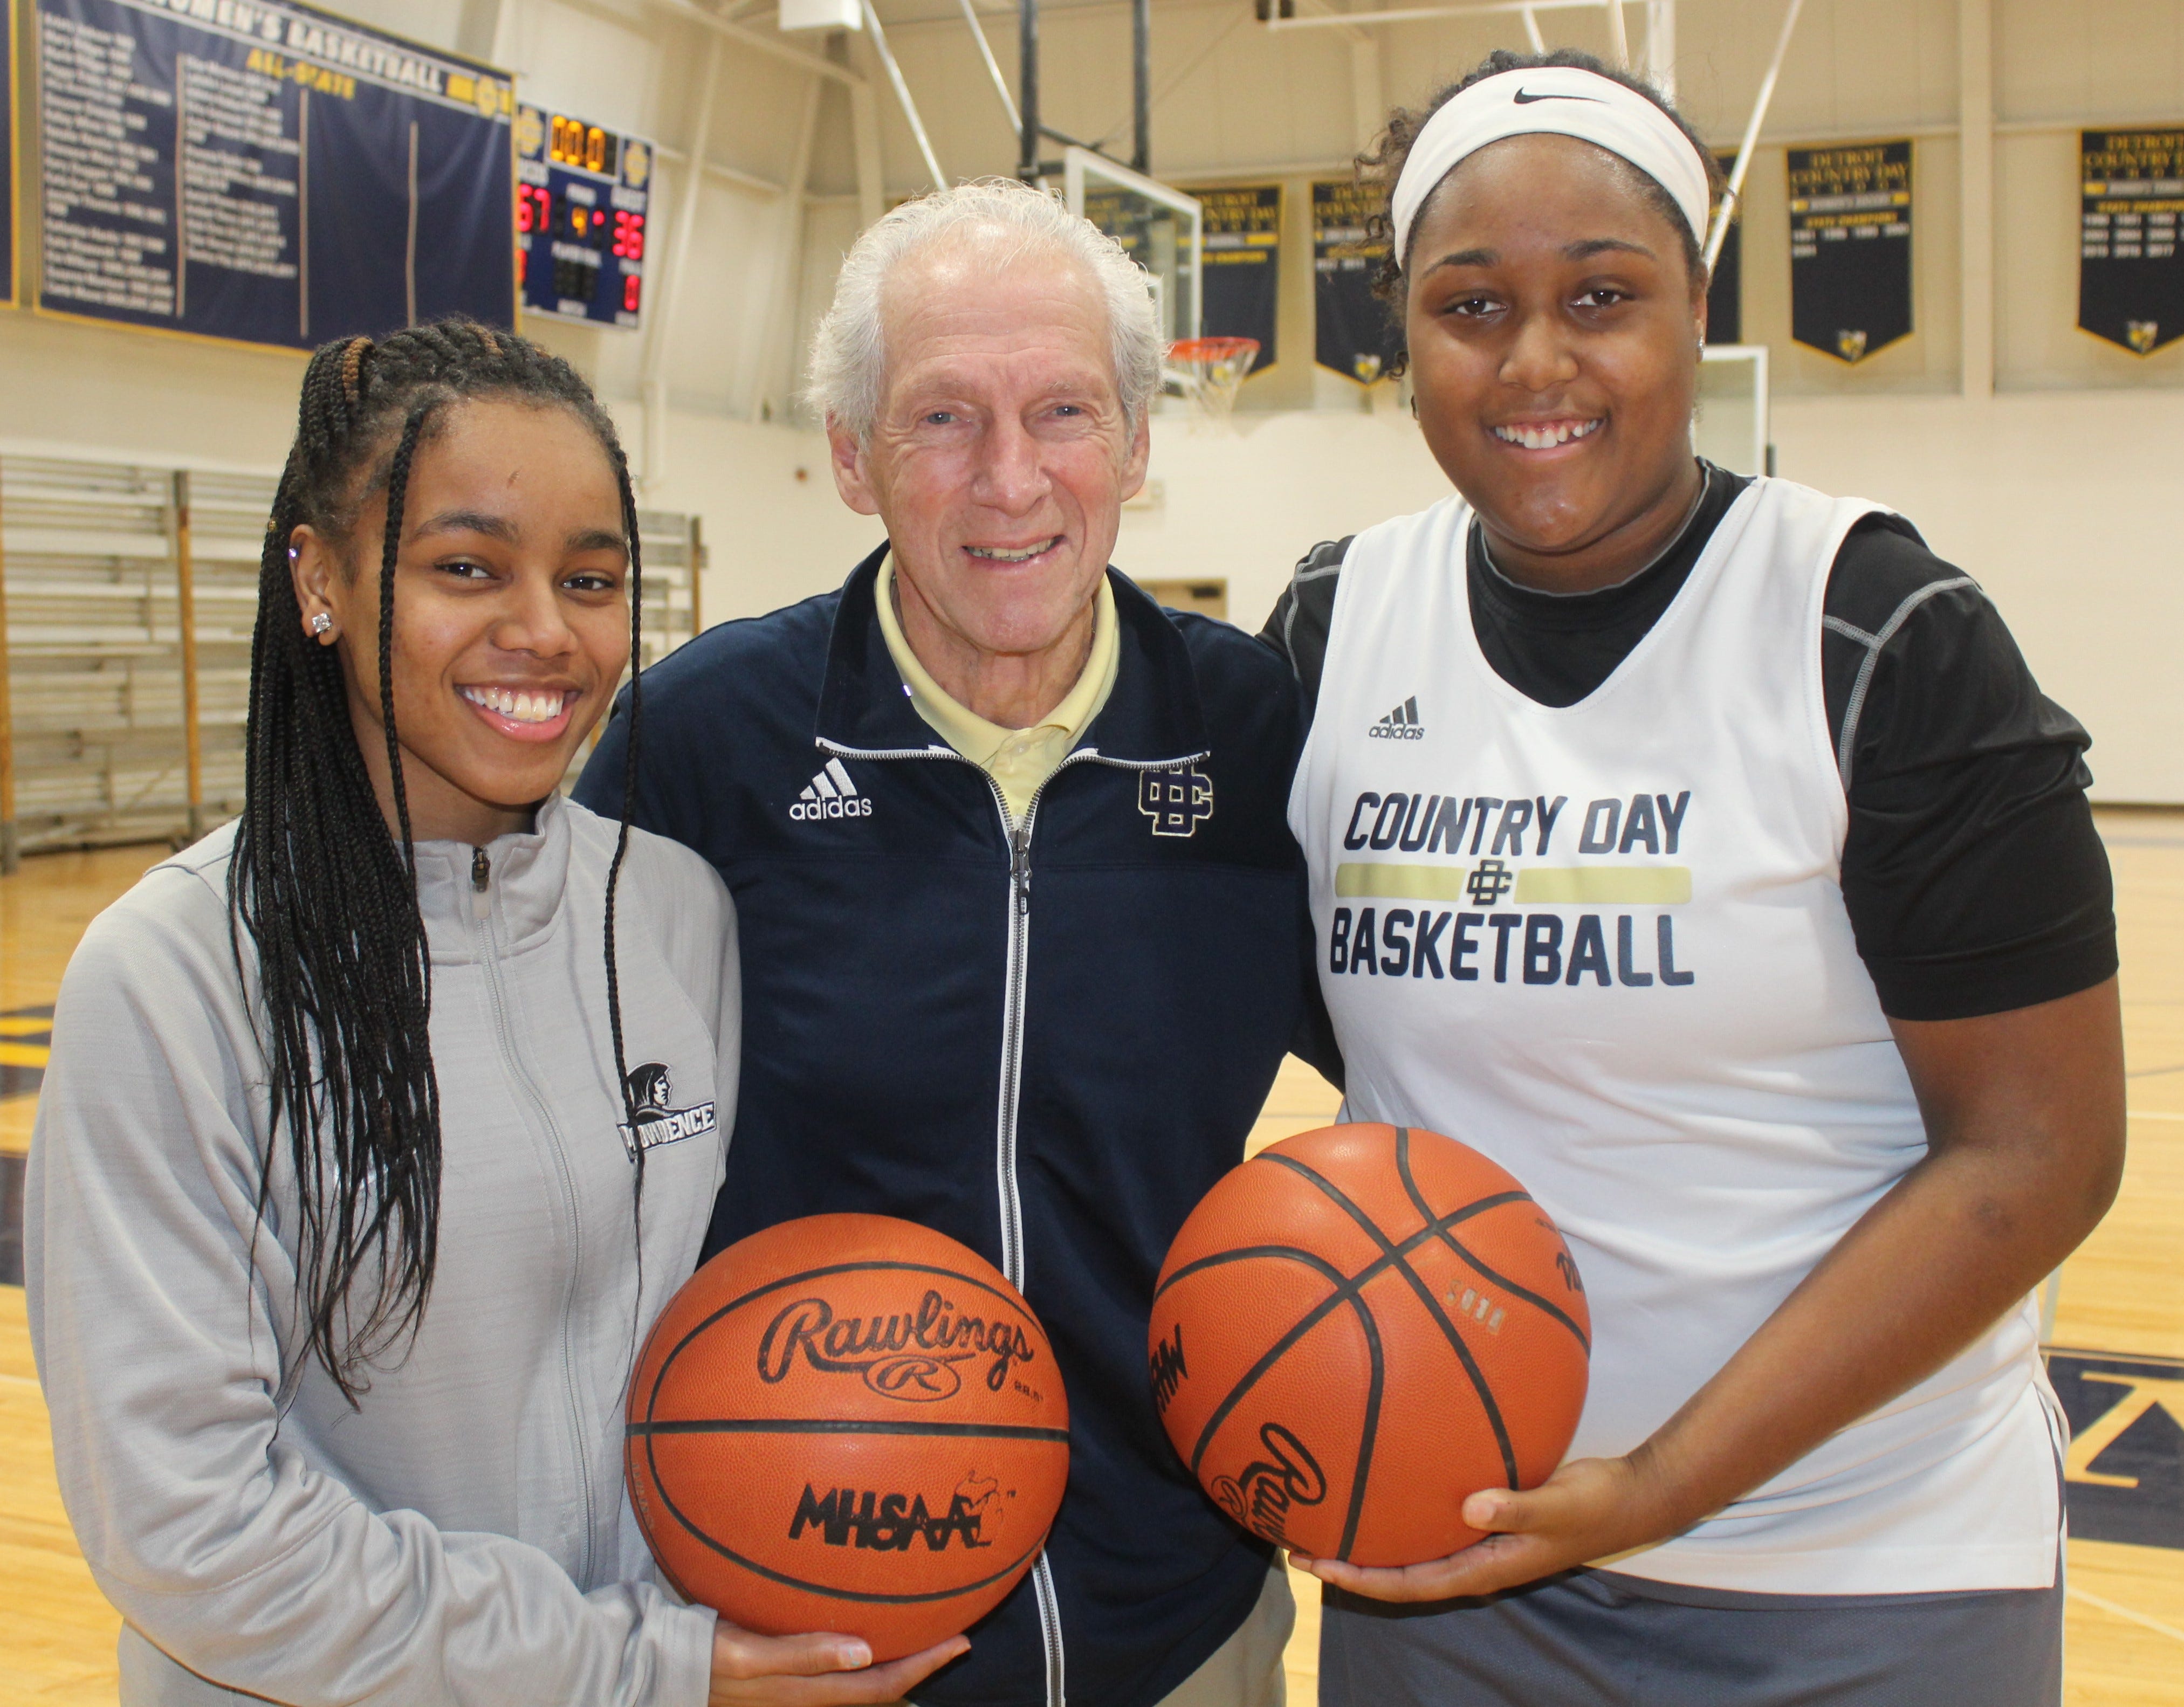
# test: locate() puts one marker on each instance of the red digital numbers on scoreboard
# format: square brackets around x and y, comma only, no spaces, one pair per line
[632,289]
[534,210]
[629,236]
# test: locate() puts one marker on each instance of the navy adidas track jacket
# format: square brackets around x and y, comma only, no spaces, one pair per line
[1047,1045]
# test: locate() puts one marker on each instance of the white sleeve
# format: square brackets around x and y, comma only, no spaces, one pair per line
[150,1289]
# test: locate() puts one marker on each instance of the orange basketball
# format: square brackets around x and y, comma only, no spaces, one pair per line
[848,1423]
[1358,1328]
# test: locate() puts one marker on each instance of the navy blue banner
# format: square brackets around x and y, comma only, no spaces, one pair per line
[2130,274]
[1355,334]
[1726,289]
[1242,264]
[1850,248]
[266,172]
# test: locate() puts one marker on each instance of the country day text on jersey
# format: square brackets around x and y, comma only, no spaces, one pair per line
[1489,856]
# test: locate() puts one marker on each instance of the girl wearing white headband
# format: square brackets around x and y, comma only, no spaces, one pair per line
[1734,886]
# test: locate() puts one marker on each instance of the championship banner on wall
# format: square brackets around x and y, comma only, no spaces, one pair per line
[1241,263]
[1850,248]
[1725,288]
[265,172]
[2130,283]
[1355,336]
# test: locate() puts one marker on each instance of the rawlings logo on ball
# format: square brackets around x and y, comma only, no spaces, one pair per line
[1260,1497]
[908,1356]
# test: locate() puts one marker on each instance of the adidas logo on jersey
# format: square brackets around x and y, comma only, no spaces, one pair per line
[831,795]
[1400,725]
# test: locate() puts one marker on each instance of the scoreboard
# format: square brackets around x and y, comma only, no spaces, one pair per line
[582,196]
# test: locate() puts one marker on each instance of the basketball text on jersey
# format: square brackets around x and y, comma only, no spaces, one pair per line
[657,1124]
[1400,725]
[844,1516]
[910,1355]
[1488,849]
[831,795]
[1175,800]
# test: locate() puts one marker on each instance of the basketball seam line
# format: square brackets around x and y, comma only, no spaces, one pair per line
[933,1430]
[1418,1202]
[1343,1292]
[660,1488]
[1401,1264]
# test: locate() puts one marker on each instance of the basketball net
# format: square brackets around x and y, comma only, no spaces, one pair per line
[1211,371]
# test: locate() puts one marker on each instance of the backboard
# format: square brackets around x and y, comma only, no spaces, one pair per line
[1158,226]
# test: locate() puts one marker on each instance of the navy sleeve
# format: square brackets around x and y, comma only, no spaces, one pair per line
[1973,877]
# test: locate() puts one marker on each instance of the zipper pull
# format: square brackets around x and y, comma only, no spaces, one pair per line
[1020,867]
[481,876]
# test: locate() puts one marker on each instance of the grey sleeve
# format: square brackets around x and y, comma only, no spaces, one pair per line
[157,1306]
[1302,615]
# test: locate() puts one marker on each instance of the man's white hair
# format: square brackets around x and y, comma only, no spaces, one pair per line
[1010,219]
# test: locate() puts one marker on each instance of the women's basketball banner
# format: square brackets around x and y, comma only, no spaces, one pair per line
[264,171]
[2131,281]
[1850,248]
[1725,288]
[1356,336]
[1241,262]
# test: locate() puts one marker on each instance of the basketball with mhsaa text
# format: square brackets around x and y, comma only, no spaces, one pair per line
[848,1423]
[1359,1328]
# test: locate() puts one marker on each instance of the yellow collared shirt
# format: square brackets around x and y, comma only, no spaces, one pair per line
[1017,760]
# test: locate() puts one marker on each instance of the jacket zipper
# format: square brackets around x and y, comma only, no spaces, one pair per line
[1012,1035]
[488,959]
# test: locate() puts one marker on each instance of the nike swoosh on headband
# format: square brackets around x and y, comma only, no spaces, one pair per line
[1524,97]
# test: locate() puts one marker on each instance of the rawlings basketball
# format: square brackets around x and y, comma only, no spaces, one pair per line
[1359,1328]
[848,1423]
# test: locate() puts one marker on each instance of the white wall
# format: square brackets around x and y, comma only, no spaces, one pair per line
[2056,493]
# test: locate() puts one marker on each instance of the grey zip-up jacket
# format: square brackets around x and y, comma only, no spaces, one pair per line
[462,1536]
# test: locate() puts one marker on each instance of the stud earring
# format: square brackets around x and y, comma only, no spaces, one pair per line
[320,623]
[294,554]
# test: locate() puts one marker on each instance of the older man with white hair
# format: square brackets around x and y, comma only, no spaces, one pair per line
[1023,922]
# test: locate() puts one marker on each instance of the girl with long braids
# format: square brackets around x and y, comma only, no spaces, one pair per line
[1735,886]
[382,1122]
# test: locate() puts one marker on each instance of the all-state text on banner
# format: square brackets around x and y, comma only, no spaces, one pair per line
[2131,279]
[1242,262]
[1355,334]
[1850,248]
[265,172]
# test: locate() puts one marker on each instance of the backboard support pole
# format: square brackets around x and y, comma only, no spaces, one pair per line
[1141,70]
[1027,90]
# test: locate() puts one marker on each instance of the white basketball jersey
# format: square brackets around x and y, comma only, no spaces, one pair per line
[1606,944]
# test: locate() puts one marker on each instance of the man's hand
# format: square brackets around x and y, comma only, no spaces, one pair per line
[1590,1509]
[754,1671]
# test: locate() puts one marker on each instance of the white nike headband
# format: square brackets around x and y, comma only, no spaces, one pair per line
[1564,100]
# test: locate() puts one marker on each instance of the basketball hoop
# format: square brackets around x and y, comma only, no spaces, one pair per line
[1213,370]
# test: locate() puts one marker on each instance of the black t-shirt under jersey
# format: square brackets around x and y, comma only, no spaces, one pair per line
[1974,878]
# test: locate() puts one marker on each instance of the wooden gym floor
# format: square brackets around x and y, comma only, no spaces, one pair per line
[2119,1363]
